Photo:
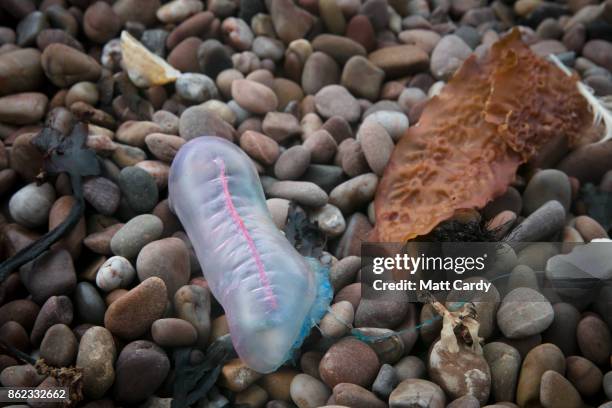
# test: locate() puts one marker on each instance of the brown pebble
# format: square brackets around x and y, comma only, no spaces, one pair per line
[349,361]
[260,147]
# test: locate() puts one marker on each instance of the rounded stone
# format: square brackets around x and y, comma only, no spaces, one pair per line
[141,368]
[292,163]
[90,306]
[400,60]
[322,146]
[335,100]
[302,192]
[320,70]
[254,97]
[132,314]
[198,121]
[505,364]
[545,185]
[308,392]
[139,189]
[96,357]
[167,259]
[65,66]
[59,346]
[376,144]
[352,395]
[349,361]
[100,22]
[594,339]
[51,274]
[338,320]
[134,235]
[584,375]
[540,359]
[192,304]
[172,332]
[523,313]
[556,391]
[354,193]
[196,88]
[260,147]
[417,393]
[24,108]
[448,55]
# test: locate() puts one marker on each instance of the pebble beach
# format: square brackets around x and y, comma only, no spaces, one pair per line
[317,93]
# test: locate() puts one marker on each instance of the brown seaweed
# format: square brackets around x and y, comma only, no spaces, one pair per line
[491,117]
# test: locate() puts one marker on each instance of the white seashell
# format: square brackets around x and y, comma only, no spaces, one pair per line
[116,272]
[144,68]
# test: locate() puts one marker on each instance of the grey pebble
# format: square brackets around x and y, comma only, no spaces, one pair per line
[302,192]
[139,189]
[135,234]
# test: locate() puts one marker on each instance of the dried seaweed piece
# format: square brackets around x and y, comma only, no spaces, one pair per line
[491,117]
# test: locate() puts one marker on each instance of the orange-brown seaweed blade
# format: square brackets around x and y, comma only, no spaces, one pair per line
[491,117]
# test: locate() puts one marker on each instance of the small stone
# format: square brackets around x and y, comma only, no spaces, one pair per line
[280,126]
[65,66]
[134,235]
[57,309]
[338,321]
[260,147]
[136,380]
[30,205]
[89,304]
[557,392]
[199,121]
[30,27]
[13,334]
[505,364]
[448,55]
[237,376]
[548,219]
[320,70]
[417,393]
[335,100]
[338,47]
[400,60]
[279,209]
[545,185]
[167,259]
[213,58]
[523,313]
[354,193]
[395,123]
[325,176]
[23,109]
[268,48]
[192,304]
[20,71]
[196,88]
[132,314]
[565,321]
[584,375]
[290,22]
[184,57]
[607,384]
[588,163]
[424,39]
[145,68]
[173,332]
[141,11]
[376,144]
[594,339]
[540,359]
[349,361]
[139,189]
[302,192]
[321,145]
[51,274]
[410,367]
[253,96]
[100,22]
[278,384]
[362,78]
[195,26]
[308,392]
[59,346]
[599,52]
[589,229]
[163,146]
[96,357]
[329,219]
[332,16]
[115,272]
[177,11]
[102,194]
[352,395]
[292,163]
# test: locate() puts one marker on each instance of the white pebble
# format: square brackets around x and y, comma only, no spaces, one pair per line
[116,272]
